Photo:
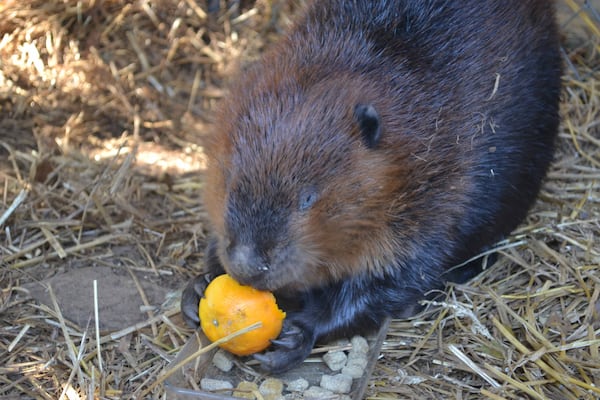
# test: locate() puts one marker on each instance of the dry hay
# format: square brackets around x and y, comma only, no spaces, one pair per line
[103,106]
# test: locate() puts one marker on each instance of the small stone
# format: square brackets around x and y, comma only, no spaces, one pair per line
[359,345]
[339,383]
[222,360]
[317,393]
[245,389]
[209,384]
[297,385]
[335,360]
[354,371]
[271,387]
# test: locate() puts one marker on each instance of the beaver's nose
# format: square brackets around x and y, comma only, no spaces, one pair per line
[245,264]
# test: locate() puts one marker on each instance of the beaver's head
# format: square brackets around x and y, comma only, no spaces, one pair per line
[299,185]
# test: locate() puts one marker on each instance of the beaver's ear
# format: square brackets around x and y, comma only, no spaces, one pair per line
[369,124]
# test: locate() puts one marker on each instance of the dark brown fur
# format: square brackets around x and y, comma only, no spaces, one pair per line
[376,147]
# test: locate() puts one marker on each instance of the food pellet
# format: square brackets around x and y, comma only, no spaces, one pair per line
[297,385]
[339,383]
[271,386]
[355,371]
[245,390]
[358,359]
[214,384]
[223,361]
[318,393]
[335,360]
[360,344]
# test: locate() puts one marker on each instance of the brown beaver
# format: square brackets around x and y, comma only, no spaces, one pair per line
[377,147]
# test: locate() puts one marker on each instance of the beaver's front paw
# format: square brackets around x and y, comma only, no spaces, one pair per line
[293,346]
[190,298]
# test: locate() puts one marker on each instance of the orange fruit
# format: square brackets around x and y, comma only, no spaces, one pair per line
[228,307]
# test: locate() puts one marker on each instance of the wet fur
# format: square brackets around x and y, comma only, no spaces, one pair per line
[377,146]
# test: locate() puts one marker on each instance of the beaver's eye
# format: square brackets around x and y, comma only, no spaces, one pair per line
[307,199]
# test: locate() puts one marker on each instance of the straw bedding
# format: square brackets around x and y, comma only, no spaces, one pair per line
[103,105]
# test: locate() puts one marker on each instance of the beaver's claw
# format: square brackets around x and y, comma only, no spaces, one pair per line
[190,297]
[293,346]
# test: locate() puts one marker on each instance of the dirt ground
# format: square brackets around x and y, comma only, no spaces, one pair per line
[103,109]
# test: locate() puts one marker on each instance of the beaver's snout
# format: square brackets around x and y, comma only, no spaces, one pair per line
[246,265]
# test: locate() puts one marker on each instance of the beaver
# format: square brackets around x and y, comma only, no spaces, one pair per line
[373,153]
